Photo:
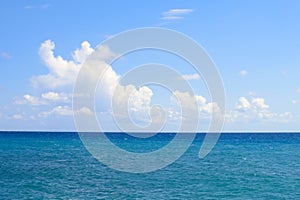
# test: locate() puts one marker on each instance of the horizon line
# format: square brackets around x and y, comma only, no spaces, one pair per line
[202,132]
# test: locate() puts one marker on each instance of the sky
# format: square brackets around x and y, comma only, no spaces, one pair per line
[254,44]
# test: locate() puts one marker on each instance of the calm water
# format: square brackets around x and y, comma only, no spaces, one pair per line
[241,166]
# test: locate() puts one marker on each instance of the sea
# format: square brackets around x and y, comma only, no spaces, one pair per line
[56,165]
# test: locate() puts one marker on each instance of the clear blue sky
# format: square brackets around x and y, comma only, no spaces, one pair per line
[255,45]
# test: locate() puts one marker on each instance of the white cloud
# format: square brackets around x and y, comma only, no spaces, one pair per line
[255,110]
[260,103]
[104,53]
[140,104]
[243,104]
[81,54]
[62,73]
[43,6]
[140,99]
[109,36]
[85,110]
[178,11]
[175,14]
[56,97]
[243,72]
[65,111]
[30,100]
[135,100]
[109,81]
[194,104]
[294,101]
[45,99]
[58,110]
[191,76]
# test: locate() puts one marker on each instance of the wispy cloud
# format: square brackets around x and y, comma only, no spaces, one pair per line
[45,99]
[43,6]
[174,14]
[190,76]
[5,55]
[28,7]
[243,72]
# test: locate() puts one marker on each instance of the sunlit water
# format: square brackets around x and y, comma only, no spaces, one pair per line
[241,166]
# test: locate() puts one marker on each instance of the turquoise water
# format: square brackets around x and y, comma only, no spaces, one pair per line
[241,166]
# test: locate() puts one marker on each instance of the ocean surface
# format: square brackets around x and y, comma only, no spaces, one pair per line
[241,166]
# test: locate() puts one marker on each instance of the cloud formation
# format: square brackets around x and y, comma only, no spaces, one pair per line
[194,105]
[44,99]
[43,6]
[79,55]
[62,73]
[175,14]
[57,86]
[58,110]
[255,110]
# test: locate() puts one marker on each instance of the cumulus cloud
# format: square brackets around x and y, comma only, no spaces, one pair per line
[62,75]
[64,72]
[175,14]
[140,103]
[243,104]
[140,99]
[194,105]
[129,99]
[81,54]
[61,72]
[255,110]
[133,102]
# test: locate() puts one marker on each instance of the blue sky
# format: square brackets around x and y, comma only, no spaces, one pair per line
[255,45]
